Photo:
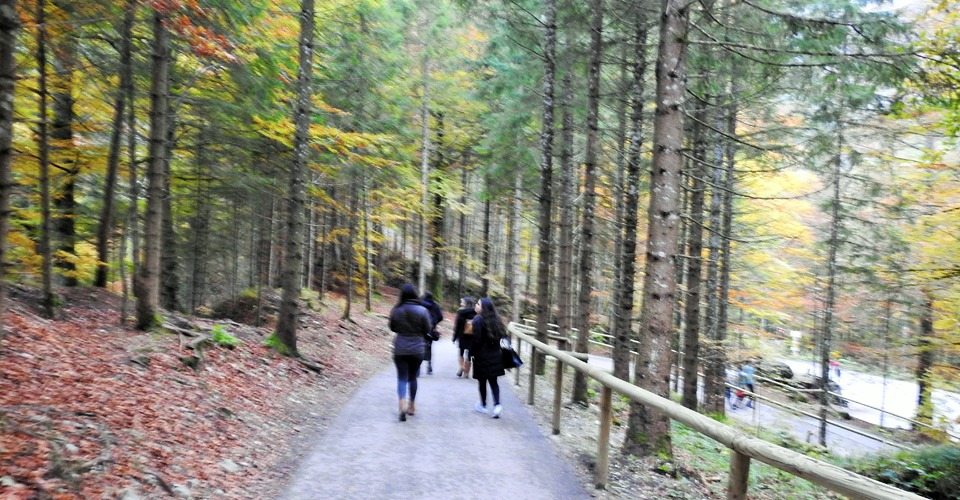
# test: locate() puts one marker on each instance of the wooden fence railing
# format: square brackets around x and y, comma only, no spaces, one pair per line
[743,447]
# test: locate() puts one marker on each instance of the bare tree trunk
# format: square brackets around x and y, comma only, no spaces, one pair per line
[113,158]
[437,219]
[367,245]
[925,359]
[350,254]
[546,179]
[589,198]
[691,334]
[622,335]
[513,268]
[287,322]
[648,432]
[424,169]
[45,249]
[9,25]
[485,274]
[568,186]
[148,285]
[169,249]
[132,230]
[834,243]
[65,155]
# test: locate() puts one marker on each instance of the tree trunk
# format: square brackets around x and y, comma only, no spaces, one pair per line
[62,148]
[350,253]
[424,170]
[132,229]
[589,198]
[107,215]
[691,332]
[546,179]
[170,248]
[9,24]
[148,285]
[513,268]
[49,301]
[925,358]
[622,335]
[200,231]
[286,331]
[568,186]
[485,252]
[834,243]
[437,219]
[648,432]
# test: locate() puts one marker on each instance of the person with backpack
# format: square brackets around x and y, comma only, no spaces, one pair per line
[463,334]
[488,329]
[436,316]
[411,322]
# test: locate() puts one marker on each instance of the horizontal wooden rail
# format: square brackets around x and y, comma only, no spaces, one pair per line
[744,447]
[554,334]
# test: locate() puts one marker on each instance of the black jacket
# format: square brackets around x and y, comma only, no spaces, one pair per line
[485,351]
[459,325]
[411,322]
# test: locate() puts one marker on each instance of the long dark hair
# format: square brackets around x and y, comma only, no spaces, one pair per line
[493,328]
[408,292]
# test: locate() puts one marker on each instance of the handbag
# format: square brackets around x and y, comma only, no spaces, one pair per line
[508,356]
[433,336]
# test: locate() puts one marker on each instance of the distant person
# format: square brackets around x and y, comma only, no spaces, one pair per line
[836,367]
[411,322]
[747,373]
[733,384]
[436,316]
[488,329]
[463,334]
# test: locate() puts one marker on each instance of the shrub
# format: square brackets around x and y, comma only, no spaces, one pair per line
[933,472]
[223,338]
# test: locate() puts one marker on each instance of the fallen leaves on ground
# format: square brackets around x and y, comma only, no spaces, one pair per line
[90,409]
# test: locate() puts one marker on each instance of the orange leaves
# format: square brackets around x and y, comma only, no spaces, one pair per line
[202,40]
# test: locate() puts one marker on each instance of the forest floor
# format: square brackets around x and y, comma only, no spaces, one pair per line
[92,409]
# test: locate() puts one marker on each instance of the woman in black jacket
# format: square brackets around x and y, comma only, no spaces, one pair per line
[462,335]
[411,322]
[436,316]
[488,329]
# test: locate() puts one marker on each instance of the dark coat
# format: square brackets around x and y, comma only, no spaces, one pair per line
[459,324]
[436,315]
[485,351]
[411,322]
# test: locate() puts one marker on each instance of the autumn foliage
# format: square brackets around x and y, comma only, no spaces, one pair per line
[92,410]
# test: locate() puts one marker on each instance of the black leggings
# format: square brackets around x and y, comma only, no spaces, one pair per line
[494,390]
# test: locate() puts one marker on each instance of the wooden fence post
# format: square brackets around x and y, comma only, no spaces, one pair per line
[533,375]
[557,395]
[603,441]
[739,476]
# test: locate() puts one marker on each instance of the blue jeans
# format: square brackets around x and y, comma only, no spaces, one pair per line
[408,365]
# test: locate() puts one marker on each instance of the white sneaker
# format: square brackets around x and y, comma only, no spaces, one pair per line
[480,408]
[496,411]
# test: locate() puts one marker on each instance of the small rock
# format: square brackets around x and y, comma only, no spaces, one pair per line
[71,448]
[181,491]
[8,481]
[128,494]
[229,466]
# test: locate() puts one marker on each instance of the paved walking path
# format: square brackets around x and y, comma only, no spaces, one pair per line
[446,451]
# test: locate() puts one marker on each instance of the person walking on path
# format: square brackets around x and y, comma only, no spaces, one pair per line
[436,316]
[411,322]
[463,334]
[747,372]
[488,329]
